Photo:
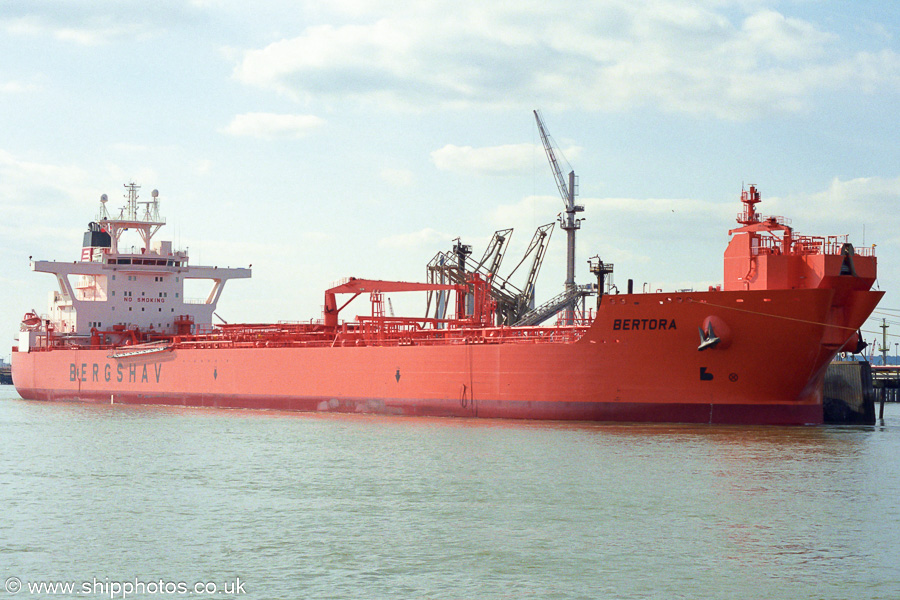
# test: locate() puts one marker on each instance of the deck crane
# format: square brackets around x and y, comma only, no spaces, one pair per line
[511,302]
[536,249]
[452,267]
[567,222]
[495,251]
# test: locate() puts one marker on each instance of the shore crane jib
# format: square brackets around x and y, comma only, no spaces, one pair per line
[567,222]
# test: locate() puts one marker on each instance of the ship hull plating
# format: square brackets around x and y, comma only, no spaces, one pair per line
[639,361]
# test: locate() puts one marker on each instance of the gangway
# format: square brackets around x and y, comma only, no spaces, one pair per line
[562,301]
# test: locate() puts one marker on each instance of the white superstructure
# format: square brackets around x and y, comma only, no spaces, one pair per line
[114,289]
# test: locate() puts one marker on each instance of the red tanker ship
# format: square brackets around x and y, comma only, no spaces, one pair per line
[752,350]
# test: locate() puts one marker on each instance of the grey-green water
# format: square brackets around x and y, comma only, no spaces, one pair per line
[311,506]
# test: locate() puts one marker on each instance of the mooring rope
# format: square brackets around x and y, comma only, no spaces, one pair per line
[762,314]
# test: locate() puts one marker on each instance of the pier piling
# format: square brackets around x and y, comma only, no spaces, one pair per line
[849,396]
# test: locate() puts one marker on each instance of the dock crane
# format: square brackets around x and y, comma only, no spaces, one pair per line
[567,222]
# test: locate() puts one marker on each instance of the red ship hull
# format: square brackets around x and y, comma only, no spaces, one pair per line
[639,361]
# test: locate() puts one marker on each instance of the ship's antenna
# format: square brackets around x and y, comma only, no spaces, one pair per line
[155,195]
[131,205]
[104,215]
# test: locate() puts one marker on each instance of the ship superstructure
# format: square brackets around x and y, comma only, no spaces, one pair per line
[118,294]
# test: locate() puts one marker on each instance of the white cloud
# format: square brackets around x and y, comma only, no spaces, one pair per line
[98,22]
[17,87]
[44,196]
[84,37]
[424,238]
[850,202]
[90,32]
[863,208]
[491,160]
[865,190]
[620,212]
[674,54]
[270,125]
[783,37]
[526,212]
[18,178]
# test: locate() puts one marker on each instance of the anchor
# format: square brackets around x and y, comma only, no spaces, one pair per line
[708,338]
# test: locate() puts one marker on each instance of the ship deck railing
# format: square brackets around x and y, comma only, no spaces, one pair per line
[261,338]
[364,331]
[807,244]
[430,337]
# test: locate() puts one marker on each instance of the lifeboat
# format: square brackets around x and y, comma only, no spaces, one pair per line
[31,320]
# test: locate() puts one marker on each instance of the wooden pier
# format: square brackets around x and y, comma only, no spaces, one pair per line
[886,381]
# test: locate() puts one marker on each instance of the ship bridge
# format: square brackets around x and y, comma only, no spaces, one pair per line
[115,287]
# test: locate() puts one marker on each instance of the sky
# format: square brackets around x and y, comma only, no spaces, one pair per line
[318,140]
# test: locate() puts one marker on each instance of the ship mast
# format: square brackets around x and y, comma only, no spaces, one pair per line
[145,220]
[750,199]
